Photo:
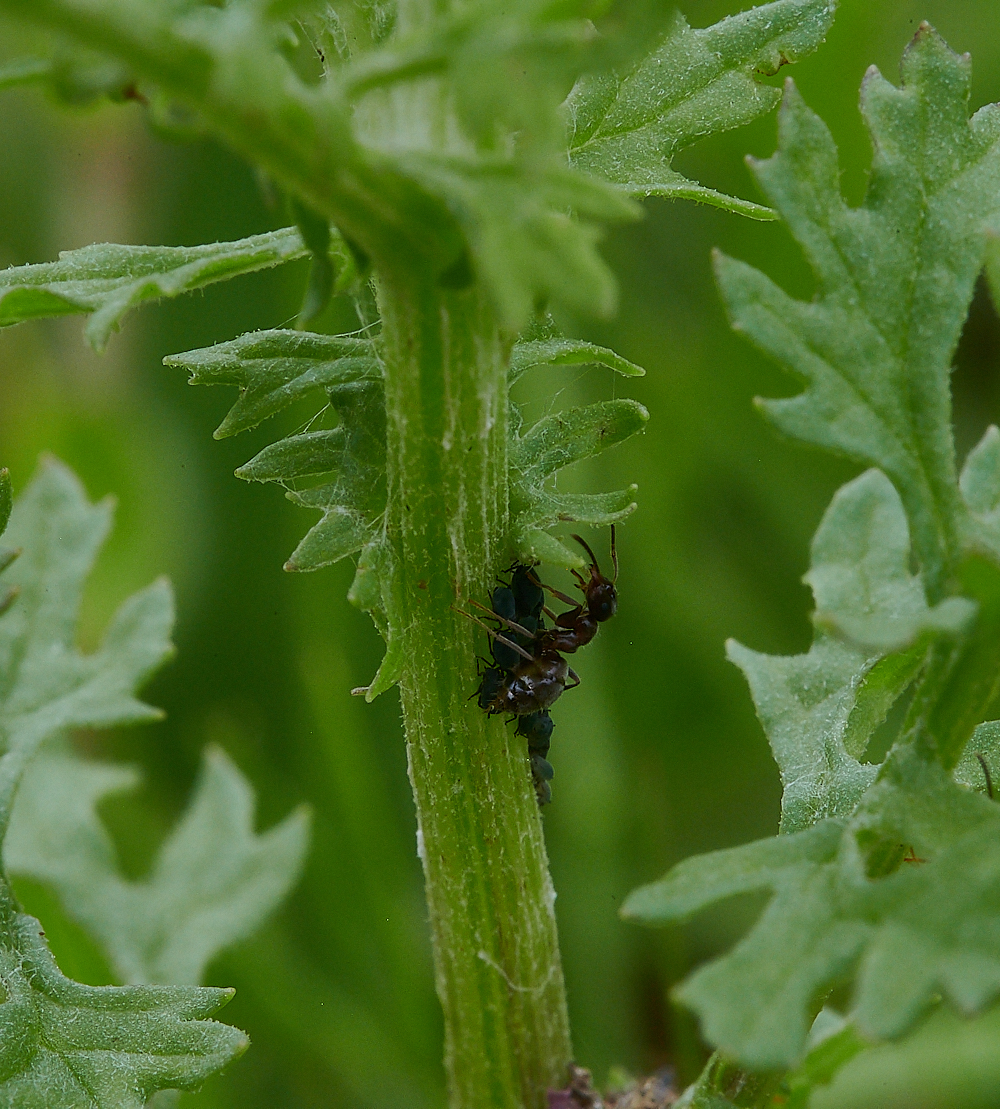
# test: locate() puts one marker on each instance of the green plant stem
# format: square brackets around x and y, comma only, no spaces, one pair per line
[489,893]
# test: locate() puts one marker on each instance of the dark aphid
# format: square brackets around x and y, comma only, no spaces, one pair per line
[504,603]
[536,728]
[489,687]
[528,593]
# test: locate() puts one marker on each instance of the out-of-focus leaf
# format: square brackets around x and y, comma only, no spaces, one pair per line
[980,485]
[107,280]
[861,577]
[984,745]
[627,127]
[925,928]
[895,280]
[805,703]
[46,685]
[213,882]
[63,1045]
[949,1061]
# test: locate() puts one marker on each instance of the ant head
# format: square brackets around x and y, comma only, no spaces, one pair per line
[602,599]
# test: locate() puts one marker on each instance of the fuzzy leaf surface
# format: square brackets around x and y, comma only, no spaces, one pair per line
[628,126]
[895,279]
[272,369]
[212,883]
[107,280]
[923,929]
[820,710]
[64,1045]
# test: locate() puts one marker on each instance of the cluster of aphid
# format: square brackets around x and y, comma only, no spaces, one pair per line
[527,671]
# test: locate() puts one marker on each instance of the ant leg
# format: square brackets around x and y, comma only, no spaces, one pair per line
[575,676]
[614,554]
[495,634]
[555,593]
[503,620]
[561,597]
[986,774]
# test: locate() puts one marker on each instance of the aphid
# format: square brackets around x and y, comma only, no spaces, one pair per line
[577,627]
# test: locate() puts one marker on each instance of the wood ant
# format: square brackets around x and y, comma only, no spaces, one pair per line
[577,627]
[528,672]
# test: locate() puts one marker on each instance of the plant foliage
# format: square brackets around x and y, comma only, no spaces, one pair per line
[887,873]
[64,1044]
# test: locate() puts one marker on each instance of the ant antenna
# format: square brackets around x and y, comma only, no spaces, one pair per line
[986,774]
[614,554]
[593,557]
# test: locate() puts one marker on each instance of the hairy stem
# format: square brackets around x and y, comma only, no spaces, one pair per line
[489,894]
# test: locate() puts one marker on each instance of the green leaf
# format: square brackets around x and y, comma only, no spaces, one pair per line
[833,1042]
[107,280]
[46,685]
[275,368]
[821,709]
[627,127]
[984,745]
[947,1061]
[895,280]
[525,247]
[904,934]
[805,704]
[557,351]
[567,437]
[212,883]
[980,486]
[860,573]
[6,498]
[553,443]
[65,1045]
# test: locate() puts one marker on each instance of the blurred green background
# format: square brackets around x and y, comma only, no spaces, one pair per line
[657,756]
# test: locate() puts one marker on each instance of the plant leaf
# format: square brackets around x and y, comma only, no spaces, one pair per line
[557,351]
[904,937]
[64,1045]
[628,126]
[860,573]
[275,368]
[895,280]
[67,1046]
[550,445]
[213,882]
[107,280]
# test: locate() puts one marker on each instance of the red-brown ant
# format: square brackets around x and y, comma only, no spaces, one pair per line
[577,627]
[532,684]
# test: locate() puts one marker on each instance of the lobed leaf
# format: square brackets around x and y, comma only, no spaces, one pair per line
[275,368]
[895,280]
[107,280]
[46,685]
[63,1045]
[67,1046]
[902,937]
[212,883]
[628,126]
[556,442]
[861,577]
